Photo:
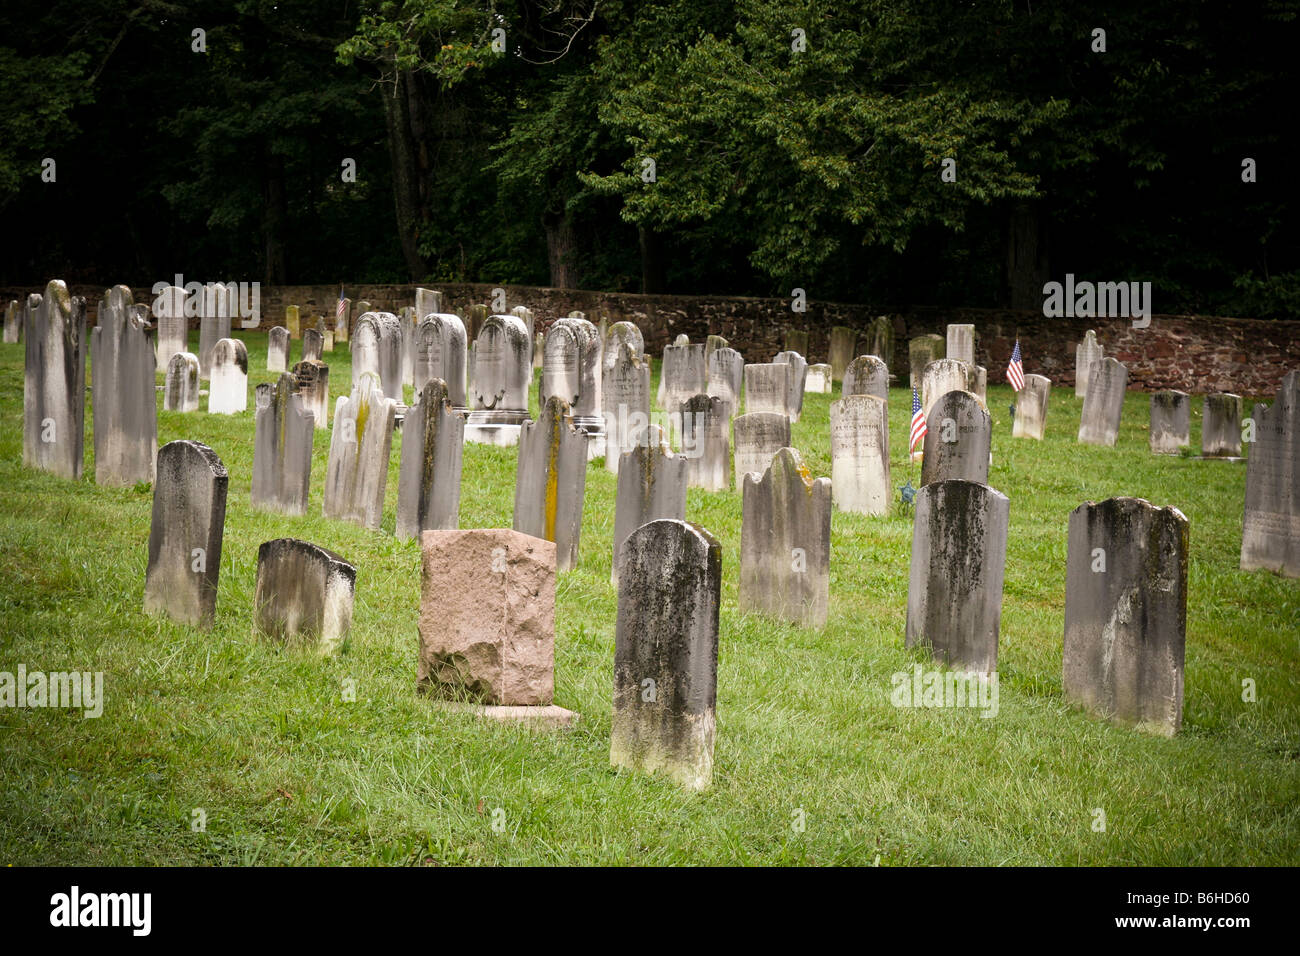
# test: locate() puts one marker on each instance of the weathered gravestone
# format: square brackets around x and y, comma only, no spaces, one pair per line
[844,345]
[1126,612]
[878,340]
[360,445]
[818,380]
[1270,537]
[651,485]
[961,343]
[726,376]
[682,339]
[954,593]
[475,316]
[785,542]
[427,302]
[921,351]
[428,487]
[684,373]
[794,382]
[796,340]
[525,315]
[1171,421]
[277,350]
[185,533]
[1103,406]
[626,394]
[666,652]
[312,380]
[866,375]
[539,350]
[958,440]
[618,335]
[173,325]
[499,384]
[571,370]
[1221,426]
[981,384]
[943,376]
[377,348]
[767,388]
[181,386]
[282,440]
[551,481]
[1031,408]
[705,431]
[214,323]
[1086,354]
[860,455]
[487,624]
[407,324]
[313,345]
[293,321]
[228,389]
[13,322]
[758,436]
[440,352]
[123,400]
[304,594]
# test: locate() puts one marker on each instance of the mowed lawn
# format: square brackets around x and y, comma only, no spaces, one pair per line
[813,764]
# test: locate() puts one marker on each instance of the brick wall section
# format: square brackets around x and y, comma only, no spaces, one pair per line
[1197,354]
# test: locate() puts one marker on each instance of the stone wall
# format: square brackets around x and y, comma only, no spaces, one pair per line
[1194,353]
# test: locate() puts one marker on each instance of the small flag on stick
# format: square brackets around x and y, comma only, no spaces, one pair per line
[1016,369]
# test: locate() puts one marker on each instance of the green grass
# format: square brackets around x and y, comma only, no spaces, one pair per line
[286,771]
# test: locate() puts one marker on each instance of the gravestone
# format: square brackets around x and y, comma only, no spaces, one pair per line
[684,373]
[13,323]
[1221,426]
[440,352]
[726,376]
[666,652]
[214,323]
[866,375]
[327,341]
[796,340]
[878,340]
[185,533]
[712,344]
[1270,537]
[844,344]
[487,623]
[758,436]
[618,335]
[1126,612]
[277,350]
[626,395]
[785,542]
[921,351]
[1031,408]
[428,487]
[525,315]
[860,455]
[475,316]
[705,428]
[1086,354]
[682,339]
[361,443]
[377,348]
[954,594]
[767,388]
[123,399]
[342,320]
[539,346]
[282,440]
[943,376]
[407,324]
[427,302]
[181,386]
[54,381]
[311,378]
[313,345]
[1171,421]
[172,324]
[228,390]
[961,343]
[1103,406]
[304,594]
[551,481]
[651,485]
[293,321]
[958,440]
[981,384]
[818,380]
[794,390]
[572,371]
[500,381]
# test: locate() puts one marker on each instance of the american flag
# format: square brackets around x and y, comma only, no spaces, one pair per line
[338,313]
[918,422]
[1016,370]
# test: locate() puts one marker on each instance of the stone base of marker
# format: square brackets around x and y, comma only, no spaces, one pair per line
[818,379]
[548,717]
[304,594]
[480,430]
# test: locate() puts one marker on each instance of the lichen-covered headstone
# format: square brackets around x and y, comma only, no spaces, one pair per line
[704,427]
[921,351]
[866,375]
[1086,354]
[626,395]
[304,594]
[1126,612]
[844,345]
[551,481]
[666,652]
[428,487]
[958,439]
[1103,406]
[185,533]
[228,389]
[54,382]
[502,374]
[123,400]
[758,436]
[1031,408]
[943,376]
[1221,426]
[954,593]
[440,352]
[878,339]
[1171,421]
[651,485]
[277,349]
[711,345]
[377,348]
[360,445]
[293,321]
[572,370]
[313,345]
[796,340]
[1270,536]
[860,455]
[785,542]
[282,441]
[311,377]
[181,386]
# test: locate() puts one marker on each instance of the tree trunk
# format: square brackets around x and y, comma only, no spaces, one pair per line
[561,245]
[403,150]
[275,215]
[1027,262]
[652,261]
